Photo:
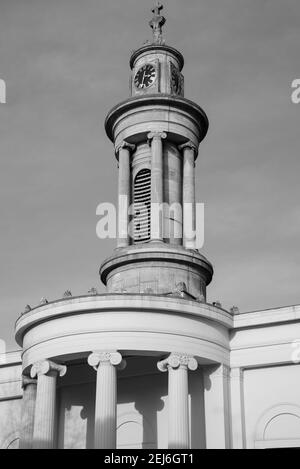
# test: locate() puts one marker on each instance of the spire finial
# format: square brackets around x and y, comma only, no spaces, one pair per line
[157,23]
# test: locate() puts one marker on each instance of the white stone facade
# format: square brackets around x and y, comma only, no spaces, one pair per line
[244,393]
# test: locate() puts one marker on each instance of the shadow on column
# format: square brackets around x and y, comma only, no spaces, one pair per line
[196,391]
[149,413]
[76,409]
[139,402]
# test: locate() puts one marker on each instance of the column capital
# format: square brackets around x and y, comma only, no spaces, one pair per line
[190,146]
[26,381]
[45,367]
[125,145]
[177,360]
[112,358]
[157,135]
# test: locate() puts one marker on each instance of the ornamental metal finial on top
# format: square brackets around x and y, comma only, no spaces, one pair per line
[157,23]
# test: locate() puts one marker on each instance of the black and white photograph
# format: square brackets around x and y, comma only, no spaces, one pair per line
[150,227]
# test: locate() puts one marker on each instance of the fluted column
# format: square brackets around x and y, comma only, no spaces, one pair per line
[106,363]
[124,151]
[189,195]
[177,366]
[44,422]
[28,408]
[157,196]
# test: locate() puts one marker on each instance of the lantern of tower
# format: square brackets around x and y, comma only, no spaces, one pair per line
[156,135]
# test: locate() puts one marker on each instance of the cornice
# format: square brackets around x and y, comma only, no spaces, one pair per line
[157,48]
[167,100]
[118,303]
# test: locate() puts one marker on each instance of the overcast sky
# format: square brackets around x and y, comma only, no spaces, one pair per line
[65,63]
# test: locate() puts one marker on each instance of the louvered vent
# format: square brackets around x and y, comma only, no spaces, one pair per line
[142,205]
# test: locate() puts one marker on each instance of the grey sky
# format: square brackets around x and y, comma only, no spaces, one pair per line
[65,63]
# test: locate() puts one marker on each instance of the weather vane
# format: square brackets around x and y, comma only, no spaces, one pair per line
[157,23]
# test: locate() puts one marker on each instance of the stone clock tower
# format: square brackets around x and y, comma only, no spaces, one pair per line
[156,135]
[150,363]
[104,353]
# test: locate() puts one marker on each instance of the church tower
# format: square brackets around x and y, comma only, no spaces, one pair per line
[150,363]
[156,135]
[92,364]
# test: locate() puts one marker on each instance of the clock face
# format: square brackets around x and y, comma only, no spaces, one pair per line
[145,77]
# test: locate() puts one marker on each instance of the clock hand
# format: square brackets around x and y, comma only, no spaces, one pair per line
[143,78]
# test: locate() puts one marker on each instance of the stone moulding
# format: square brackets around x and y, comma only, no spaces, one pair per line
[194,113]
[120,303]
[131,255]
[157,48]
